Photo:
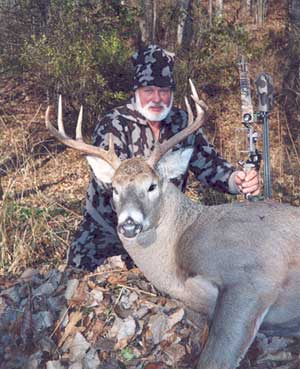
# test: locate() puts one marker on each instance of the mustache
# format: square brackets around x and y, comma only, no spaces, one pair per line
[156,105]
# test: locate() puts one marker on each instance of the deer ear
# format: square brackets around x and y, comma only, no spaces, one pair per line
[101,169]
[174,163]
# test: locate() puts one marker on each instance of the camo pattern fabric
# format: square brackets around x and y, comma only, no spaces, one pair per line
[153,67]
[96,238]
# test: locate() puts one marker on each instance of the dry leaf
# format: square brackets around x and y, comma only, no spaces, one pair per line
[71,327]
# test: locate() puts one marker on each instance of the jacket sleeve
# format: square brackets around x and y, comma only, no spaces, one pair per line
[113,124]
[210,168]
[110,124]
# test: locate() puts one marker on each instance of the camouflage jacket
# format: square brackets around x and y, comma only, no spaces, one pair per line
[133,137]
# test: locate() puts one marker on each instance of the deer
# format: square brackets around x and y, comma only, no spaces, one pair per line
[237,263]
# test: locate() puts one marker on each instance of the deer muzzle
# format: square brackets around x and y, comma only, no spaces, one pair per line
[129,228]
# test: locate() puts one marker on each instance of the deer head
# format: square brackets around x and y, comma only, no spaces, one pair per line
[138,183]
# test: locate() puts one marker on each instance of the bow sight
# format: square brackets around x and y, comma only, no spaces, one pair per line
[264,88]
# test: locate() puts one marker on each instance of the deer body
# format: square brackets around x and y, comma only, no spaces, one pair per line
[225,245]
[237,263]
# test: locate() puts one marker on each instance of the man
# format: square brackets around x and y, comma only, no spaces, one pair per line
[149,116]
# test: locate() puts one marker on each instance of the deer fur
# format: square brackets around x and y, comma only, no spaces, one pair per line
[238,263]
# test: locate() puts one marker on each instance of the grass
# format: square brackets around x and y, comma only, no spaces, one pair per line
[30,235]
[35,221]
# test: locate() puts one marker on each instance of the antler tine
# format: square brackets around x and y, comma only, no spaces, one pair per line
[193,125]
[79,125]
[189,110]
[60,122]
[200,104]
[78,144]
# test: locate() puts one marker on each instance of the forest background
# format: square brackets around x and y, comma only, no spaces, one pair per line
[81,49]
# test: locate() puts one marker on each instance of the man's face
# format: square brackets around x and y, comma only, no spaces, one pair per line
[154,102]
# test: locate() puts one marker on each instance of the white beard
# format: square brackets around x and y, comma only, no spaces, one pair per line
[149,115]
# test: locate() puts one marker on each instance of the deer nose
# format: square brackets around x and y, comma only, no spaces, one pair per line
[129,228]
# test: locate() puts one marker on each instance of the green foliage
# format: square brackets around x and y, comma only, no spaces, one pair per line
[212,58]
[79,49]
[127,353]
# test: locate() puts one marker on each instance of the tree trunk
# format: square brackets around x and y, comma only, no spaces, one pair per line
[291,83]
[260,11]
[185,24]
[147,22]
[219,8]
[210,12]
[246,7]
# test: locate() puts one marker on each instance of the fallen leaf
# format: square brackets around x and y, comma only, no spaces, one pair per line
[71,327]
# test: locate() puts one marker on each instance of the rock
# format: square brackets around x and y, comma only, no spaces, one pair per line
[52,282]
[35,360]
[15,293]
[157,325]
[175,318]
[123,329]
[91,359]
[77,365]
[46,344]
[116,262]
[96,296]
[28,274]
[56,364]
[42,320]
[140,313]
[78,347]
[72,285]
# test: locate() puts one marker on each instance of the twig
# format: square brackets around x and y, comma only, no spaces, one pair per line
[137,290]
[107,271]
[119,296]
[2,121]
[61,239]
[35,115]
[60,321]
[288,156]
[69,210]
[280,144]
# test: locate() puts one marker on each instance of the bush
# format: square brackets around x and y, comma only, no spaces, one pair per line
[79,49]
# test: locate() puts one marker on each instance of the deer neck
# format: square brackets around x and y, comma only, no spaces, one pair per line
[154,251]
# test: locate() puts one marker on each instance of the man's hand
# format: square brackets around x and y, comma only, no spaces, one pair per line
[248,183]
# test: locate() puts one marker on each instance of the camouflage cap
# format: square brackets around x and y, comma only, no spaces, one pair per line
[153,67]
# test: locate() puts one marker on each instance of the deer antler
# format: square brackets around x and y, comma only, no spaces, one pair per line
[78,144]
[193,124]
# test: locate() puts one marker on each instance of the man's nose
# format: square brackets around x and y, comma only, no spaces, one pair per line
[156,96]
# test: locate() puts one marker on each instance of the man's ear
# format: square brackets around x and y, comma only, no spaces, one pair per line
[174,163]
[101,169]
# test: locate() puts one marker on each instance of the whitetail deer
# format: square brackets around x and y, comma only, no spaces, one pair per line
[238,263]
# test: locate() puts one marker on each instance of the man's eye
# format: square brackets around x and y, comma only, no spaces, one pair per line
[148,90]
[152,187]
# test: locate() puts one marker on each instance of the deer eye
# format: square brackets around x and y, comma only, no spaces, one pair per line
[152,187]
